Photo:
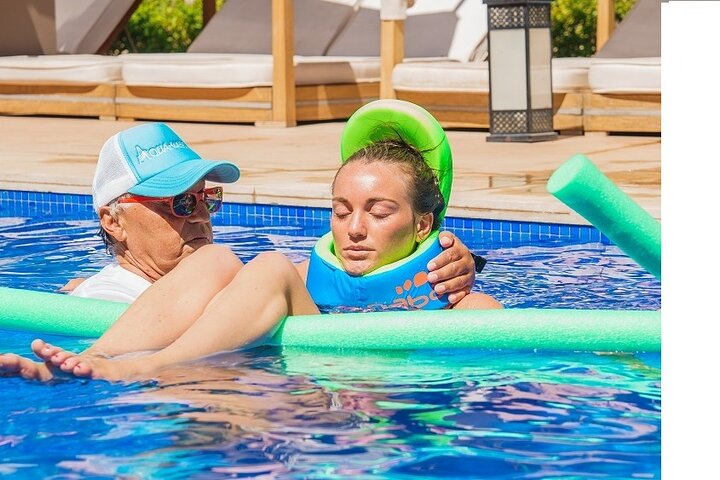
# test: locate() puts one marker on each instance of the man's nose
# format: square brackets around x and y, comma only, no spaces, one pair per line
[201,214]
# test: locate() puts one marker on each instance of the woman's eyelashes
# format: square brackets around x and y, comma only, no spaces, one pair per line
[340,211]
[382,210]
[380,215]
[375,210]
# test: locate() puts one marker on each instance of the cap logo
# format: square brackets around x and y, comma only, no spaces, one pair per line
[157,150]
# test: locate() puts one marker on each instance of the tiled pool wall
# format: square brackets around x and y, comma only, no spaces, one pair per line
[14,203]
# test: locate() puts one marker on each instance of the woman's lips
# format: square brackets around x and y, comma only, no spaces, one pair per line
[356,252]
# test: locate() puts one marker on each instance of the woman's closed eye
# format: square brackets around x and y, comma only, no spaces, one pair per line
[381,211]
[340,211]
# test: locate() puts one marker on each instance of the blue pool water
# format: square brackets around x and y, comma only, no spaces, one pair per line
[272,413]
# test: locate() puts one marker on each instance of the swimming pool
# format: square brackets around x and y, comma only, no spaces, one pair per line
[325,414]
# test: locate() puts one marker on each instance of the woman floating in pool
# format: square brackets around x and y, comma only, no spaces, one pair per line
[386,209]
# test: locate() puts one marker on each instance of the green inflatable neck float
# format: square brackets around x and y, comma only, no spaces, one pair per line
[386,119]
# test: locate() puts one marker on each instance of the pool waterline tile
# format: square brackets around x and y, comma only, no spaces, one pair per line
[15,203]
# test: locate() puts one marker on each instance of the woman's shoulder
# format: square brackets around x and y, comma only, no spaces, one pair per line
[477,301]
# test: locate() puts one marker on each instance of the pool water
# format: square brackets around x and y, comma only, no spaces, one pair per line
[283,413]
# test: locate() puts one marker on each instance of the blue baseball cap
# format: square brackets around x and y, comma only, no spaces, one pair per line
[152,160]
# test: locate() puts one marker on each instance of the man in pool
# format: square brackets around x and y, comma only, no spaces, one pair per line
[154,210]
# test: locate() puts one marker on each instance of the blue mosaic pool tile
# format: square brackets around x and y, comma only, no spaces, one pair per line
[29,204]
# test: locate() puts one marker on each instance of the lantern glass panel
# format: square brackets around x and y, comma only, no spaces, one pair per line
[540,74]
[508,75]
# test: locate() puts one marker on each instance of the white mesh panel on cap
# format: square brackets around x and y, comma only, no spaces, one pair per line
[113,176]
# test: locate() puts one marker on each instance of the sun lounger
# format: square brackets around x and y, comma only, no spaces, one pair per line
[617,90]
[457,93]
[625,95]
[74,85]
[624,77]
[227,74]
[221,87]
[36,81]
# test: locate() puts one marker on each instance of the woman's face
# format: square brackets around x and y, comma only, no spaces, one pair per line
[372,222]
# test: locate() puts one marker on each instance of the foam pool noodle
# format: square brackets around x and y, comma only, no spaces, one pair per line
[530,328]
[580,185]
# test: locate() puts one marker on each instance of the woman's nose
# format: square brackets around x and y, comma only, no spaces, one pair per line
[357,225]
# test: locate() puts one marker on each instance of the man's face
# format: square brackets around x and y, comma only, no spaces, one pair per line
[155,240]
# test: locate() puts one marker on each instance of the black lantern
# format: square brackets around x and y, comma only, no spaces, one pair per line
[520,46]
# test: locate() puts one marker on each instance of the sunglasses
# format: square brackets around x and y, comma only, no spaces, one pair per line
[183,205]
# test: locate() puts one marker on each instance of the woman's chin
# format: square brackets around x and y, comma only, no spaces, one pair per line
[355,269]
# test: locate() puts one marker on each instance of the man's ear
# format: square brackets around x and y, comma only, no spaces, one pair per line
[424,226]
[111,224]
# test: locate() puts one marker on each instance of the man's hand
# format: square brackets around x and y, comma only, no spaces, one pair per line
[453,271]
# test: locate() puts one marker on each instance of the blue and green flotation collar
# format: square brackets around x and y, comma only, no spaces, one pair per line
[402,284]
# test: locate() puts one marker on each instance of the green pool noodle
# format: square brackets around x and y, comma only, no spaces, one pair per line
[542,329]
[56,313]
[581,186]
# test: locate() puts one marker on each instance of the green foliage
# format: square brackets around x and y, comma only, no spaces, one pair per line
[161,26]
[574,24]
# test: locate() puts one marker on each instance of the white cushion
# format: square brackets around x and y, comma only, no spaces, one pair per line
[569,75]
[441,76]
[336,70]
[625,75]
[209,70]
[60,69]
[224,70]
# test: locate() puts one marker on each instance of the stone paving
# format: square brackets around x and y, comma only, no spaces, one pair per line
[295,166]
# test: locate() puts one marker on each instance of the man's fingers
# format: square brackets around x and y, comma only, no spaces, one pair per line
[452,270]
[444,259]
[446,239]
[454,283]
